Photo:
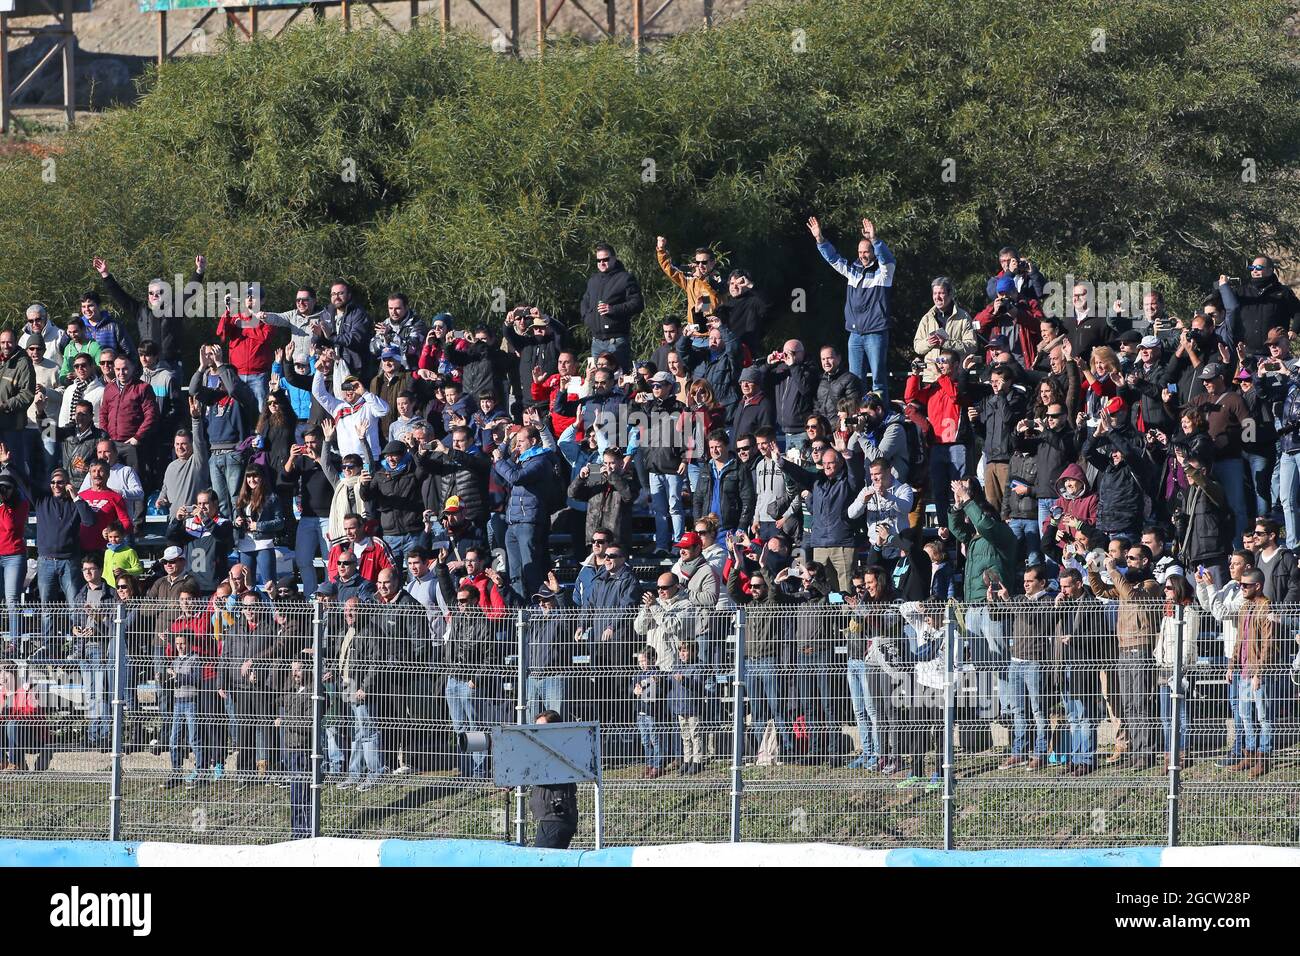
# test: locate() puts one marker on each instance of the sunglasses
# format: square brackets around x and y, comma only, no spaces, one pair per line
[461,600]
[1050,415]
[612,557]
[108,363]
[1258,268]
[81,365]
[702,262]
[663,587]
[606,259]
[347,564]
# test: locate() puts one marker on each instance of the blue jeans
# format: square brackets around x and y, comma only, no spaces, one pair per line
[1288,468]
[94,685]
[765,701]
[871,349]
[1024,679]
[669,511]
[1234,705]
[545,693]
[1231,473]
[1079,712]
[225,468]
[460,704]
[1260,481]
[333,752]
[645,724]
[864,707]
[260,385]
[1027,533]
[186,711]
[620,346]
[400,544]
[1166,717]
[365,744]
[263,560]
[1256,709]
[56,571]
[947,463]
[524,554]
[310,540]
[14,569]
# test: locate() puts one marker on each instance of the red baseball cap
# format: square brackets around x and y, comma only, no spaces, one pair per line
[689,539]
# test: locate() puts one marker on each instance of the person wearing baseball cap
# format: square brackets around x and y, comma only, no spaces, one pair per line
[1226,413]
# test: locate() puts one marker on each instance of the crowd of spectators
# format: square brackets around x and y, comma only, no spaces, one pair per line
[1072,480]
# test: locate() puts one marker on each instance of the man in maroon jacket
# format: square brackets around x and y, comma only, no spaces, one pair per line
[128,412]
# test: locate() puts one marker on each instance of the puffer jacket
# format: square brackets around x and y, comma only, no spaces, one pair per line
[720,369]
[1055,448]
[1204,526]
[831,388]
[1023,467]
[527,478]
[128,412]
[618,289]
[1269,305]
[461,474]
[990,544]
[1121,501]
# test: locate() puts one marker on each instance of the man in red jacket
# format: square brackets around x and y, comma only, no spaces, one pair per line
[248,340]
[545,388]
[371,552]
[945,407]
[128,411]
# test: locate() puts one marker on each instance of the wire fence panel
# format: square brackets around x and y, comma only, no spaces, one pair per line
[1054,719]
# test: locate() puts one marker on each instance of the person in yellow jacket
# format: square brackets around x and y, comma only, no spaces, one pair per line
[118,555]
[703,286]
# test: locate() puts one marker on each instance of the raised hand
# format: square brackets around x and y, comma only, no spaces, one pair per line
[815,227]
[100,266]
[868,230]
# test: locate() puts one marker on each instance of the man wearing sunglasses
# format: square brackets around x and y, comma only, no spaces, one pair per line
[1264,303]
[153,317]
[299,320]
[701,281]
[612,300]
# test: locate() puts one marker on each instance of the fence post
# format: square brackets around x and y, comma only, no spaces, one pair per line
[1176,726]
[521,711]
[317,715]
[119,665]
[738,726]
[949,719]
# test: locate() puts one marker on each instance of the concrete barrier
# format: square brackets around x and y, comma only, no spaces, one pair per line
[329,852]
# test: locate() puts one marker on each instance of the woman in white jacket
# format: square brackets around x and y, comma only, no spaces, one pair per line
[1178,594]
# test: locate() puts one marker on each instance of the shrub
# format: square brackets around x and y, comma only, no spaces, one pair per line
[474,181]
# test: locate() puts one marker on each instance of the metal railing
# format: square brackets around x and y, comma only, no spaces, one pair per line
[1056,722]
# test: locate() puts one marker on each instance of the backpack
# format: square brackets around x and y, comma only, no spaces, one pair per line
[916,470]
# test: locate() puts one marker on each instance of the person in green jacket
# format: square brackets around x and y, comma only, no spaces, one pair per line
[992,552]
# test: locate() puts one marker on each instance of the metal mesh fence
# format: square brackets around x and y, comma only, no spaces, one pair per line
[1054,720]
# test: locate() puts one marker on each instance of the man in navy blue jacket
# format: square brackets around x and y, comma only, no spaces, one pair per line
[59,516]
[866,304]
[832,489]
[527,515]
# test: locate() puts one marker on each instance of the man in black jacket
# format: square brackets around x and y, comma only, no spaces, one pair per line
[154,318]
[395,490]
[794,378]
[611,302]
[401,624]
[354,330]
[755,408]
[745,311]
[457,472]
[59,516]
[484,367]
[725,486]
[1265,303]
[835,383]
[994,418]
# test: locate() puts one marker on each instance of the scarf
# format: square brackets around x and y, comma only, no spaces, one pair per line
[347,501]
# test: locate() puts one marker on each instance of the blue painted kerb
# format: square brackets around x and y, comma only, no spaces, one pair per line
[87,853]
[486,853]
